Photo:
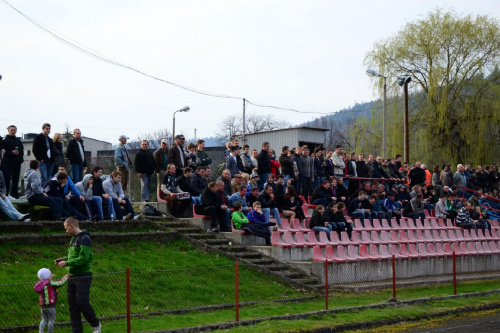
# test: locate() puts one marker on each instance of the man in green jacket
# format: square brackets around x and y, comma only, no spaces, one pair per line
[78,263]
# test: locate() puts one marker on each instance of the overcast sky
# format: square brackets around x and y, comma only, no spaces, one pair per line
[306,55]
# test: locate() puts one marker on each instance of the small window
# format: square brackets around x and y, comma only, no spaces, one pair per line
[29,153]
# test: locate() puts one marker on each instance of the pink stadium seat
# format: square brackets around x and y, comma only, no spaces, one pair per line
[394,237]
[420,225]
[233,229]
[299,237]
[466,234]
[394,223]
[330,255]
[377,226]
[324,239]
[457,250]
[434,224]
[487,235]
[334,237]
[318,255]
[439,249]
[375,253]
[345,239]
[442,224]
[384,252]
[363,252]
[395,252]
[306,212]
[342,254]
[460,236]
[288,238]
[365,238]
[447,249]
[296,225]
[403,238]
[427,225]
[435,235]
[412,248]
[486,247]
[412,237]
[473,234]
[469,246]
[480,234]
[376,239]
[202,216]
[423,250]
[311,238]
[420,236]
[449,224]
[353,253]
[494,247]
[411,224]
[357,240]
[385,225]
[359,226]
[404,251]
[428,236]
[276,240]
[285,226]
[306,223]
[158,196]
[432,251]
[444,236]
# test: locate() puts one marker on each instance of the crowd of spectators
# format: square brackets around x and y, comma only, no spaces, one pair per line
[259,184]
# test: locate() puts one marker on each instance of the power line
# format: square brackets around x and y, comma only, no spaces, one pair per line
[94,54]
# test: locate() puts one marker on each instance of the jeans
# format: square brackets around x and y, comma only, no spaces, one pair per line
[110,209]
[118,209]
[11,175]
[321,201]
[55,205]
[72,211]
[274,212]
[327,229]
[362,215]
[78,301]
[145,186]
[318,181]
[96,207]
[263,180]
[383,215]
[298,185]
[9,209]
[415,216]
[346,184]
[76,171]
[46,172]
[285,178]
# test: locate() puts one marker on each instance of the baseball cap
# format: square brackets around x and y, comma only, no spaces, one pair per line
[123,136]
[179,136]
[164,141]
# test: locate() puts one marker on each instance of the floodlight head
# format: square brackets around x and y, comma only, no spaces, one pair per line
[402,80]
[371,72]
[185,109]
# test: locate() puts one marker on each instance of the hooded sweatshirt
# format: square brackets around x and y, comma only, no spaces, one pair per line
[79,257]
[84,188]
[33,183]
[47,290]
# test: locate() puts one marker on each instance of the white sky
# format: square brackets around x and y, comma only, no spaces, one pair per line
[305,55]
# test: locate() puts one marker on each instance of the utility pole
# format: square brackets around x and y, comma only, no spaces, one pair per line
[407,139]
[384,121]
[244,104]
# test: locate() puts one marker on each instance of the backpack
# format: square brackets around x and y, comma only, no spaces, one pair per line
[151,211]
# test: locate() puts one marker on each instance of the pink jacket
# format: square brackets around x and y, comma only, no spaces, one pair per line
[47,291]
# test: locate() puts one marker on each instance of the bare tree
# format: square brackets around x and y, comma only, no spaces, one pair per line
[232,126]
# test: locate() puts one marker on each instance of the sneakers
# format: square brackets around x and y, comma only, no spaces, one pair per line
[216,229]
[94,218]
[138,217]
[97,329]
[24,218]
[127,217]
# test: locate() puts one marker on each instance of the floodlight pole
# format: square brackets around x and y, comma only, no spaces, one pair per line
[184,109]
[384,121]
[406,127]
[244,106]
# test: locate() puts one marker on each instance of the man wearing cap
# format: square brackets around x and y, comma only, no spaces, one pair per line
[122,161]
[177,155]
[161,161]
[232,162]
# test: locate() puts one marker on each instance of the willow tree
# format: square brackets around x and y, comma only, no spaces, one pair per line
[455,113]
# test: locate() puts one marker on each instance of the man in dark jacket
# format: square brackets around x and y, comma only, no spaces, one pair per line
[266,199]
[76,156]
[55,189]
[208,207]
[161,161]
[198,182]
[376,170]
[264,163]
[328,166]
[322,195]
[361,168]
[286,164]
[296,158]
[184,181]
[43,149]
[226,179]
[178,155]
[144,164]
[417,175]
[98,190]
[13,158]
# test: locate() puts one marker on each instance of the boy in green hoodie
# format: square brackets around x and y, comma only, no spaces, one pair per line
[78,263]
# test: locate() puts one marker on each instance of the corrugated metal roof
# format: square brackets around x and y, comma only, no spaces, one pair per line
[291,128]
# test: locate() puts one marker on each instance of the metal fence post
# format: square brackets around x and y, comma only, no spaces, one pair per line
[454,258]
[128,300]
[237,282]
[326,285]
[393,277]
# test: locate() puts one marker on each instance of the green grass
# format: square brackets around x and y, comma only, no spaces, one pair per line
[163,277]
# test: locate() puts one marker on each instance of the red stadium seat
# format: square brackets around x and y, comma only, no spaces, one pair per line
[318,255]
[276,240]
[311,238]
[299,237]
[395,252]
[288,238]
[233,229]
[330,255]
[375,253]
[363,252]
[432,251]
[342,254]
[353,253]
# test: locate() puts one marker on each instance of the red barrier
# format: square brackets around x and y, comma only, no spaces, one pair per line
[454,273]
[393,277]
[237,281]
[326,284]
[128,300]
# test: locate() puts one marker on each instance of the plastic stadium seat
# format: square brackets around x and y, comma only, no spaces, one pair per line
[420,236]
[384,251]
[403,238]
[386,226]
[468,247]
[318,255]
[296,225]
[480,234]
[435,235]
[432,251]
[444,236]
[233,229]
[412,237]
[353,253]
[411,224]
[450,225]
[288,238]
[420,225]
[440,250]
[330,255]
[365,237]
[344,238]
[357,240]
[412,248]
[466,233]
[276,240]
[158,196]
[378,227]
[456,249]
[482,249]
[324,239]
[473,234]
[404,251]
[342,254]
[375,253]
[442,224]
[311,238]
[359,226]
[427,225]
[307,223]
[434,224]
[487,235]
[285,226]
[395,252]
[385,239]
[299,237]
[363,252]
[202,216]
[334,236]
[428,236]
[494,247]
[460,236]
[486,247]
[423,250]
[447,248]
[306,212]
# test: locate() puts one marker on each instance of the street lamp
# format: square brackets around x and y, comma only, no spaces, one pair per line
[371,72]
[0,76]
[403,82]
[184,109]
